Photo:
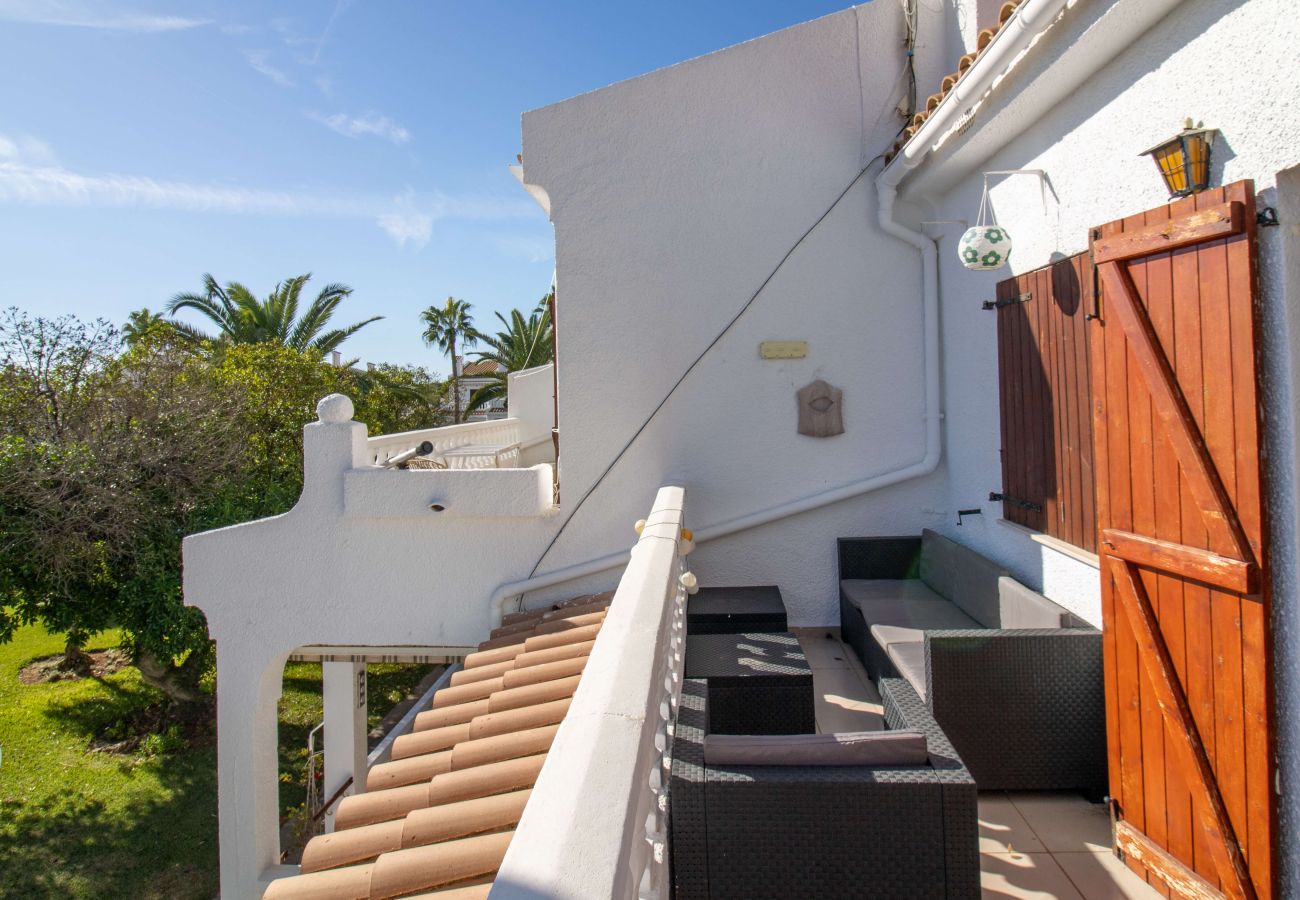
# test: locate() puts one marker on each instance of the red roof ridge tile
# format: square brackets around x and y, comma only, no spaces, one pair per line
[982,40]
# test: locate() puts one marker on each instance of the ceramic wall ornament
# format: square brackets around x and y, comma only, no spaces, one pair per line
[821,410]
[986,245]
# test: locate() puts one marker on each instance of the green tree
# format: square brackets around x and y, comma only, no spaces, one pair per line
[241,318]
[445,327]
[108,459]
[144,325]
[525,343]
[106,462]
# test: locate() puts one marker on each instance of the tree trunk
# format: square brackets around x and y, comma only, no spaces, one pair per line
[179,683]
[455,384]
[74,659]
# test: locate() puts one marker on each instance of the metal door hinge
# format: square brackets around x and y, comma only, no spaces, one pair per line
[1010,301]
[995,497]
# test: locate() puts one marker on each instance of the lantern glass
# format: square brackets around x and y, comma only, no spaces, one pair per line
[1184,160]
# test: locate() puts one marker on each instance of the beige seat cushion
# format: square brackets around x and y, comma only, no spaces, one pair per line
[858,748]
[909,658]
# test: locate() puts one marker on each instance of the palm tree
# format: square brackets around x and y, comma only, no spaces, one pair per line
[243,319]
[525,343]
[142,324]
[446,325]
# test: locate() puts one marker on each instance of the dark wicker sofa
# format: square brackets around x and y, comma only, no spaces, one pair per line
[822,831]
[1014,680]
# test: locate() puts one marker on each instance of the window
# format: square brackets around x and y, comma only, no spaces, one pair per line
[1046,400]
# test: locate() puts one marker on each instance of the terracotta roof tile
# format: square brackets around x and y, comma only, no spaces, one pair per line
[949,81]
[438,817]
[481,367]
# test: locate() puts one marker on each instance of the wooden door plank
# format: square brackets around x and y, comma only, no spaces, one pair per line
[1213,816]
[1243,279]
[1052,472]
[1178,877]
[1005,289]
[1168,596]
[1100,415]
[1220,440]
[1203,478]
[1065,298]
[1127,666]
[1198,681]
[1170,556]
[1036,379]
[1207,223]
[1088,465]
[1142,434]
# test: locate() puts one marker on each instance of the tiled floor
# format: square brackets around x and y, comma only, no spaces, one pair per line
[1031,845]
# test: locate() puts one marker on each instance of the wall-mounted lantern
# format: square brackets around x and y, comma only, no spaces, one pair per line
[1184,159]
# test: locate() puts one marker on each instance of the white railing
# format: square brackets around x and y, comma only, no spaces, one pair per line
[596,824]
[493,433]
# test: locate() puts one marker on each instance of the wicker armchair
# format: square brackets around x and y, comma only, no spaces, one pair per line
[822,831]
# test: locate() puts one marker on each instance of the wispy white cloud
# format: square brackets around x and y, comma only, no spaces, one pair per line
[340,7]
[371,123]
[29,177]
[27,150]
[91,15]
[258,60]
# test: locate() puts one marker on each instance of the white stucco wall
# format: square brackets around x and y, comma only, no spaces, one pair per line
[674,196]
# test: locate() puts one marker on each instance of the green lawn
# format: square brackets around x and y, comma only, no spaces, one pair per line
[81,824]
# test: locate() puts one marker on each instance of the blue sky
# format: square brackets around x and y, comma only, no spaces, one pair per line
[365,141]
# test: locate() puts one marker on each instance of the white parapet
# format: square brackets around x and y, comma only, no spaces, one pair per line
[595,825]
[370,561]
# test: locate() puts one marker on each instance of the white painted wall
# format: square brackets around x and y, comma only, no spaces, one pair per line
[674,196]
[531,400]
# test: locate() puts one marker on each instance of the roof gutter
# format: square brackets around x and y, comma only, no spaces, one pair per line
[1031,19]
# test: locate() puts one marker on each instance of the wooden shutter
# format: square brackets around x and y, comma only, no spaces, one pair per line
[1045,392]
[1182,523]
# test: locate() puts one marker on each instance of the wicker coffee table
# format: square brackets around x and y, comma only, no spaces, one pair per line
[727,610]
[759,682]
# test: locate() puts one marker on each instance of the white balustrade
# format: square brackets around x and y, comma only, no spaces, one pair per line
[598,827]
[496,433]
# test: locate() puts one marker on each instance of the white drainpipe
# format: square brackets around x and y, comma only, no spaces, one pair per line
[1032,18]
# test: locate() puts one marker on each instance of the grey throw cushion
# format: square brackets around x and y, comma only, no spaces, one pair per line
[1019,607]
[858,748]
[961,575]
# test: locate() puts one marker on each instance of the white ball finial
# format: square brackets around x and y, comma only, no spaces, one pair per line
[334,408]
[689,581]
[638,526]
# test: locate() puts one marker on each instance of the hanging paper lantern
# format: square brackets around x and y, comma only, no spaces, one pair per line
[984,247]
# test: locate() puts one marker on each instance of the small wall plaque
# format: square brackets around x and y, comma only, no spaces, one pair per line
[820,410]
[783,349]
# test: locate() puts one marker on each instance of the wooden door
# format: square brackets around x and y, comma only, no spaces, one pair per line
[1181,537]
